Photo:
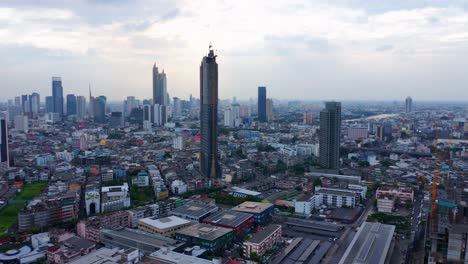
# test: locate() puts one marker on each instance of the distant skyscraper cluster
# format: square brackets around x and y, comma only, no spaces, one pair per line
[209,165]
[330,132]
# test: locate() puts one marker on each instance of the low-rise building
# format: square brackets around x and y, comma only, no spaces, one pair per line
[385,202]
[262,212]
[114,198]
[373,243]
[265,239]
[211,238]
[194,211]
[166,226]
[69,250]
[145,242]
[404,194]
[240,222]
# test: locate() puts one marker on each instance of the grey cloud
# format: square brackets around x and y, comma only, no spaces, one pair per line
[287,44]
[385,47]
[106,11]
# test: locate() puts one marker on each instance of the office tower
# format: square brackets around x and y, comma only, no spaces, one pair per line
[21,123]
[24,103]
[147,113]
[409,104]
[330,132]
[159,87]
[262,104]
[163,114]
[18,101]
[228,118]
[71,104]
[379,133]
[81,106]
[4,156]
[308,119]
[209,165]
[57,94]
[49,104]
[116,120]
[269,109]
[130,104]
[100,109]
[157,114]
[35,104]
[177,110]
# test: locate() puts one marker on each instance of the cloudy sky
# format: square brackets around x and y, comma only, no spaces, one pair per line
[299,49]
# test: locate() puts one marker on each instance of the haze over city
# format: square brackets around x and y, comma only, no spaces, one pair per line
[314,50]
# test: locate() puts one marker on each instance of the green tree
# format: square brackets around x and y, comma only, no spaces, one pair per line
[255,257]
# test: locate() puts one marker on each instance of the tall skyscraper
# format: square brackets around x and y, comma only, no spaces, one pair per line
[262,112]
[330,132]
[269,109]
[57,94]
[35,104]
[209,165]
[159,87]
[71,104]
[4,160]
[81,106]
[25,103]
[409,104]
[100,109]
[177,110]
[49,100]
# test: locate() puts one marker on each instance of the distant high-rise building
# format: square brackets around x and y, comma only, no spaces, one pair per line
[129,104]
[57,94]
[81,106]
[228,118]
[25,103]
[177,110]
[71,104]
[4,160]
[49,104]
[209,165]
[159,87]
[35,104]
[100,109]
[21,123]
[116,120]
[269,109]
[147,113]
[18,101]
[330,132]
[262,115]
[409,104]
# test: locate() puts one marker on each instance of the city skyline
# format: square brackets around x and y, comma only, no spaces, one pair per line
[379,51]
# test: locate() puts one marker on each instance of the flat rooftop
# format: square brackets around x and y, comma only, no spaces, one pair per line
[100,256]
[177,258]
[142,237]
[228,218]
[370,244]
[245,191]
[264,233]
[252,207]
[194,209]
[205,231]
[165,222]
[335,192]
